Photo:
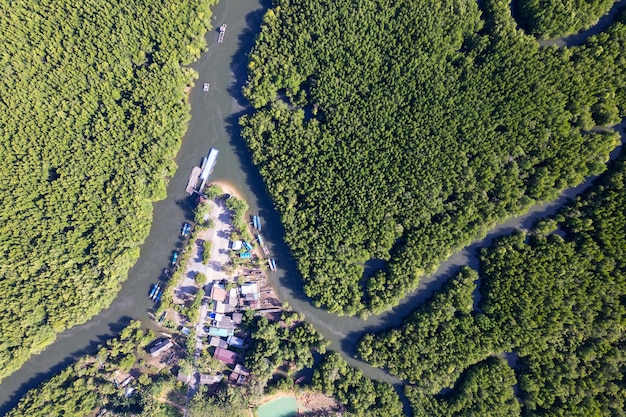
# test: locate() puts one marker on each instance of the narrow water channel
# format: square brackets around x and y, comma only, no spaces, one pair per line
[214,123]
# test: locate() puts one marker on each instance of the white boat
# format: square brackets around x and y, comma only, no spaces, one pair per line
[220,37]
[206,87]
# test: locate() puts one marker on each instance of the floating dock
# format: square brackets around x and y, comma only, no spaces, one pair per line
[220,37]
[193,179]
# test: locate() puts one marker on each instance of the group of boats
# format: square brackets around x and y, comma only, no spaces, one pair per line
[156,290]
[256,223]
[270,262]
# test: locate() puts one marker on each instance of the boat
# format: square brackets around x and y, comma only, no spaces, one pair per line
[158,296]
[256,221]
[174,257]
[264,248]
[185,230]
[162,317]
[153,290]
[206,87]
[207,168]
[272,264]
[153,294]
[220,38]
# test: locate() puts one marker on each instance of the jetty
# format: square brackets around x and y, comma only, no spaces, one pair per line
[193,179]
[220,37]
[200,175]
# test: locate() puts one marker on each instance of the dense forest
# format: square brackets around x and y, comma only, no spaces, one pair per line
[554,18]
[277,350]
[362,396]
[89,384]
[91,115]
[485,389]
[380,138]
[553,297]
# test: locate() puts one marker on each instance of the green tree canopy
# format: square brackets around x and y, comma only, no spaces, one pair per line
[92,113]
[400,131]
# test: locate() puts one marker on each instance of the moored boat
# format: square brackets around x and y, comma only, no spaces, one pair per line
[272,264]
[153,290]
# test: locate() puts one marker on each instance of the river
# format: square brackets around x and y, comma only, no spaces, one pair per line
[580,37]
[214,124]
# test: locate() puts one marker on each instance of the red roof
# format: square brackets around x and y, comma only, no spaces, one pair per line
[218,294]
[225,355]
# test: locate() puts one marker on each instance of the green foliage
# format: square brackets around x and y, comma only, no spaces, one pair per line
[83,386]
[402,131]
[557,302]
[92,115]
[567,312]
[201,215]
[127,362]
[554,18]
[202,406]
[239,208]
[362,396]
[274,343]
[206,251]
[445,320]
[193,311]
[485,390]
[213,191]
[200,278]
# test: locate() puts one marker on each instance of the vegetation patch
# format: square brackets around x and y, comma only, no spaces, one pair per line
[554,299]
[92,114]
[554,18]
[402,131]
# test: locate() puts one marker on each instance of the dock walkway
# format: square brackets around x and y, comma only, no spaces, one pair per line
[193,180]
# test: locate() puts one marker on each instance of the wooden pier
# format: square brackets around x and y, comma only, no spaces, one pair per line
[193,180]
